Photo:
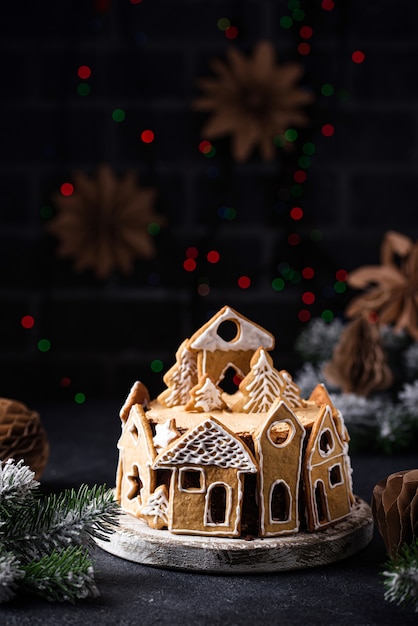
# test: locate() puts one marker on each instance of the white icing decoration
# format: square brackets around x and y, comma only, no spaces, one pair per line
[265,387]
[208,444]
[182,379]
[250,336]
[291,392]
[157,506]
[208,396]
[164,433]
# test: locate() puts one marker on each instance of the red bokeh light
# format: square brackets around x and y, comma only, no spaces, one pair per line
[296,213]
[213,256]
[189,265]
[244,282]
[147,136]
[308,297]
[308,273]
[84,72]
[67,189]
[358,56]
[328,130]
[27,321]
[341,275]
[231,32]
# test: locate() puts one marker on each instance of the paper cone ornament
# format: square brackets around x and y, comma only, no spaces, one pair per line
[358,363]
[395,509]
[22,436]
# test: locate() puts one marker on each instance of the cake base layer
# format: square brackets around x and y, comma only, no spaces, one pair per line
[135,541]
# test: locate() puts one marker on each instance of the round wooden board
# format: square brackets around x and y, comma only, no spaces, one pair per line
[135,541]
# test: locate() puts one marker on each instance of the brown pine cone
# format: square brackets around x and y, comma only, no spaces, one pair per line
[22,436]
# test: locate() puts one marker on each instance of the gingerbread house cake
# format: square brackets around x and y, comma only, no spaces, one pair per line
[255,461]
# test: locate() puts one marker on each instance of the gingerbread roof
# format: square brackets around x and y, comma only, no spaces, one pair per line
[209,443]
[250,336]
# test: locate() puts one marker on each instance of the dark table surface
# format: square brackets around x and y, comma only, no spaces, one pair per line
[83,450]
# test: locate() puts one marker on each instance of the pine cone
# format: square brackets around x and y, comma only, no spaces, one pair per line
[22,436]
[395,509]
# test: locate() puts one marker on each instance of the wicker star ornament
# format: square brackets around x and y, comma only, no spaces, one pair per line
[252,99]
[103,225]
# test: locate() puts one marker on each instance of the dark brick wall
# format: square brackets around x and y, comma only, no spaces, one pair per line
[145,59]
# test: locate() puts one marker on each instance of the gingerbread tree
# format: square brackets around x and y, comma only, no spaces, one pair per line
[155,511]
[291,392]
[180,378]
[205,396]
[263,384]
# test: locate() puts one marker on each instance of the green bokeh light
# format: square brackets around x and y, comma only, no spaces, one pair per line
[44,345]
[80,398]
[327,315]
[309,148]
[83,89]
[340,287]
[154,228]
[118,115]
[278,284]
[156,366]
[327,89]
[46,212]
[291,134]
[286,21]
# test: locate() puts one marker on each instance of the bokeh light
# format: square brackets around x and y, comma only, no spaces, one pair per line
[147,136]
[156,366]
[244,282]
[67,189]
[84,72]
[27,321]
[358,56]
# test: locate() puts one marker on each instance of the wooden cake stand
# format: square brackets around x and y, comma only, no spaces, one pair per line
[135,541]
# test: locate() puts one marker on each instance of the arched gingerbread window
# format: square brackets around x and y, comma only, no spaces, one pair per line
[321,503]
[217,505]
[280,500]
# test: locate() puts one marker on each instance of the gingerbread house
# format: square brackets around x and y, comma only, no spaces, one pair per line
[261,461]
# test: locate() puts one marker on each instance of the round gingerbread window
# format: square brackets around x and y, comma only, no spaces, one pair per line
[281,433]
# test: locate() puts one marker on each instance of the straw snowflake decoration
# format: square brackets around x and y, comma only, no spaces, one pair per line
[253,100]
[103,225]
